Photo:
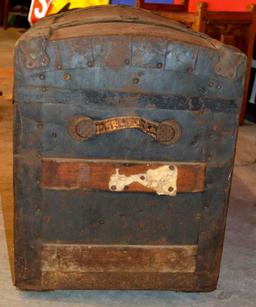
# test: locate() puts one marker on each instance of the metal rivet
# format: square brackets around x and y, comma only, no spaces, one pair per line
[44,89]
[40,125]
[219,86]
[90,63]
[171,167]
[41,77]
[210,83]
[59,66]
[159,65]
[47,219]
[197,216]
[135,80]
[44,60]
[66,76]
[113,187]
[101,221]
[126,61]
[170,189]
[142,177]
[84,127]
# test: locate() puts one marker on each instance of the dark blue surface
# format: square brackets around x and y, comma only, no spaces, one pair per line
[133,2]
[160,1]
[124,2]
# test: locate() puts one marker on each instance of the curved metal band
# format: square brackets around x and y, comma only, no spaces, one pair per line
[126,122]
[166,132]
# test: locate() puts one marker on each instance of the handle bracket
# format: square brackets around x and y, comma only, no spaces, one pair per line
[82,128]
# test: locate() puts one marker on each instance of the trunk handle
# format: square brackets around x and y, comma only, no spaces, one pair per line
[82,128]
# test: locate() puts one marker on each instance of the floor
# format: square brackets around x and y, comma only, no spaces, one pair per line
[237,284]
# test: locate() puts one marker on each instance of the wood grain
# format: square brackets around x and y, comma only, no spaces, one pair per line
[127,281]
[118,258]
[89,175]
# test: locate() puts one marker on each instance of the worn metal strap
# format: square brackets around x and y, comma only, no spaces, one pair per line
[126,122]
[165,132]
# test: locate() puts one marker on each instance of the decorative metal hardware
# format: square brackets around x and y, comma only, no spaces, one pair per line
[162,180]
[34,51]
[83,128]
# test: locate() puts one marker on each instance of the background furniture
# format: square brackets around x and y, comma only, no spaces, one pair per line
[14,8]
[177,7]
[237,29]
[233,28]
[4,6]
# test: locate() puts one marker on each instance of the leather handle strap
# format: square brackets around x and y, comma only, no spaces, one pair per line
[165,132]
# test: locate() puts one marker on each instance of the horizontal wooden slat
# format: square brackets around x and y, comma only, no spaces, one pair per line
[96,174]
[125,281]
[107,29]
[236,17]
[118,258]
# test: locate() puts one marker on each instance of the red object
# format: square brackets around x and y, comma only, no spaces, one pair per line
[223,5]
[38,9]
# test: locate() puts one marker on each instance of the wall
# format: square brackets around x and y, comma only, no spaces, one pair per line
[223,5]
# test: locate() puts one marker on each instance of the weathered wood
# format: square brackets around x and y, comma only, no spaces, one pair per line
[118,258]
[125,30]
[95,174]
[127,281]
[180,93]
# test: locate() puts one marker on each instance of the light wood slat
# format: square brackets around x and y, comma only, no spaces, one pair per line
[118,258]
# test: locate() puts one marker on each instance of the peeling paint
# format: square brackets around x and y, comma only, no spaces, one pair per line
[163,180]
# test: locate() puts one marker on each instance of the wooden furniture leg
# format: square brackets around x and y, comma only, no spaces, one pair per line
[6,13]
[200,19]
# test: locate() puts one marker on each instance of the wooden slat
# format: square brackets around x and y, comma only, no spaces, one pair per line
[126,281]
[90,175]
[118,258]
[230,16]
[107,29]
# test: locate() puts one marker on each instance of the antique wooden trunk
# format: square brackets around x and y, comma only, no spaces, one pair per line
[125,132]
